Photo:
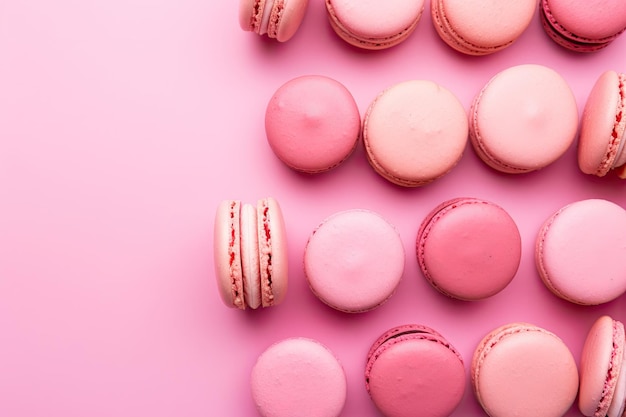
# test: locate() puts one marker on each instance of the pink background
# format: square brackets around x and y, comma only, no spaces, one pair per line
[124,123]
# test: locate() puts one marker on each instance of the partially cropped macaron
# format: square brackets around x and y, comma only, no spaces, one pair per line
[312,123]
[469,248]
[603,127]
[524,119]
[602,370]
[413,371]
[373,24]
[523,370]
[481,27]
[583,26]
[250,253]
[581,253]
[415,132]
[354,260]
[278,19]
[298,376]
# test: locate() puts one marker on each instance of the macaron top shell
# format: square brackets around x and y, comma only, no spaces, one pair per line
[227,253]
[250,256]
[590,20]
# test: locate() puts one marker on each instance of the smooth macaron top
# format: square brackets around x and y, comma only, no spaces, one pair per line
[469,248]
[524,119]
[603,126]
[523,370]
[298,376]
[278,19]
[412,370]
[580,252]
[312,123]
[415,132]
[354,260]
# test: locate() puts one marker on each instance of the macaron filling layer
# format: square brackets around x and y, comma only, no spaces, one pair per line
[618,136]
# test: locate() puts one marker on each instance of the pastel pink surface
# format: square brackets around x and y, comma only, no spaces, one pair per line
[312,123]
[523,370]
[524,119]
[354,260]
[298,376]
[581,253]
[413,371]
[469,248]
[415,132]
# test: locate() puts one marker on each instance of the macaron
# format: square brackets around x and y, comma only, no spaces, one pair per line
[580,252]
[603,127]
[250,253]
[584,26]
[468,248]
[373,24]
[481,27]
[602,371]
[524,119]
[413,371]
[523,370]
[354,260]
[415,132]
[312,123]
[298,376]
[278,19]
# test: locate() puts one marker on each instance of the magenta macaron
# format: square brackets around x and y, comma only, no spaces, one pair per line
[278,19]
[413,371]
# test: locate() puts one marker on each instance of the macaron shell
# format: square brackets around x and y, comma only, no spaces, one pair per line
[227,253]
[250,14]
[250,256]
[273,261]
[618,405]
[289,15]
[592,20]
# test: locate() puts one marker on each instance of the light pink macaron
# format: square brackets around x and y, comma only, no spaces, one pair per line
[524,119]
[312,123]
[583,26]
[413,371]
[354,260]
[581,252]
[602,370]
[468,248]
[481,27]
[298,376]
[415,132]
[278,19]
[523,370]
[374,24]
[602,140]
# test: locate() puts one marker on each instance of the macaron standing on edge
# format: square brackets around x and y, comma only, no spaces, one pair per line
[278,19]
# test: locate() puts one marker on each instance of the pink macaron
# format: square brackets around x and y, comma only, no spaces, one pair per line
[372,24]
[522,370]
[603,127]
[298,376]
[581,253]
[278,19]
[481,27]
[583,26]
[415,132]
[602,370]
[250,253]
[312,123]
[354,260]
[468,248]
[524,119]
[413,371]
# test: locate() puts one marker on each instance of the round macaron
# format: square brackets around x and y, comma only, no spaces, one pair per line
[602,371]
[374,24]
[278,19]
[469,248]
[583,26]
[524,119]
[312,123]
[415,132]
[581,252]
[298,376]
[413,371]
[603,127]
[523,370]
[481,27]
[250,253]
[354,260]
